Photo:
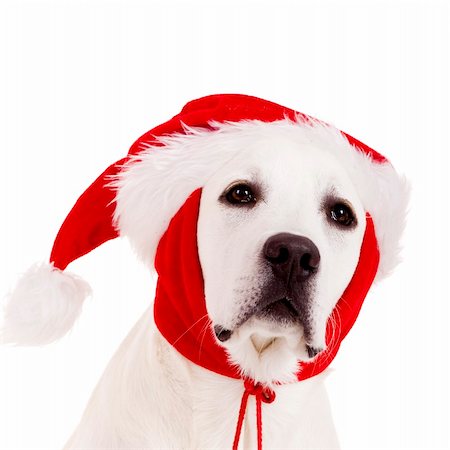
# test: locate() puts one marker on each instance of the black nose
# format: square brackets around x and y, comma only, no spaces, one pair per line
[292,257]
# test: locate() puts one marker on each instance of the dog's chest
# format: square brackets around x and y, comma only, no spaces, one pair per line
[298,417]
[216,427]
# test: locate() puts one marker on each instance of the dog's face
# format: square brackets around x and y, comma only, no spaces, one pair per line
[279,233]
[279,236]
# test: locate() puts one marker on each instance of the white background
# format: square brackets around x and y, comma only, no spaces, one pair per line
[80,81]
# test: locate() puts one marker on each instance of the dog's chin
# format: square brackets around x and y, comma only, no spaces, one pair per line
[268,351]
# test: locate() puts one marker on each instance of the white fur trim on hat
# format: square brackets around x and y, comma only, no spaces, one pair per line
[43,306]
[155,183]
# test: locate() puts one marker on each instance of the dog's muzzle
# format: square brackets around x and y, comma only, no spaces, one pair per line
[293,261]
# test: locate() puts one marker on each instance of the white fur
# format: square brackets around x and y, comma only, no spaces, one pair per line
[43,306]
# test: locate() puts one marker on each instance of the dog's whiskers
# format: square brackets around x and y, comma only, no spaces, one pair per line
[190,328]
[336,323]
[203,333]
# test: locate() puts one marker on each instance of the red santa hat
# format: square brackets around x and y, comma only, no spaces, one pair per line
[152,196]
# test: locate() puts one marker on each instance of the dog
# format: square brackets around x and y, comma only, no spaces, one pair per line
[282,219]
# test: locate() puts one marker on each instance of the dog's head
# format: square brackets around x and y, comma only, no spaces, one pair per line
[280,227]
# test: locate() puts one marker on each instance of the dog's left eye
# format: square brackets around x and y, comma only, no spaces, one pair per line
[342,214]
[240,194]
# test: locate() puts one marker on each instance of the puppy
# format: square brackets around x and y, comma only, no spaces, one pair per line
[266,228]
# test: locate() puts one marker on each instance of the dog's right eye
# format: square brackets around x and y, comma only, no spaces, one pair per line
[240,194]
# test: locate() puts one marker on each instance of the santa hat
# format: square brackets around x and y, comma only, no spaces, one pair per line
[152,196]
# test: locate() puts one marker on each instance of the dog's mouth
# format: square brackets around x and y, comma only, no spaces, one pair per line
[278,313]
[281,310]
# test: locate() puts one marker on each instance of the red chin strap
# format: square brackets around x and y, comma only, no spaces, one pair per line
[181,315]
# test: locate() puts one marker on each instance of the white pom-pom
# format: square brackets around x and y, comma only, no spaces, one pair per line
[43,306]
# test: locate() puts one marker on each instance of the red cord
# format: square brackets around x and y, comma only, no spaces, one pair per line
[240,419]
[259,422]
[262,394]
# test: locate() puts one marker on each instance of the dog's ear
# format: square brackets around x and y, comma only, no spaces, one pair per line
[385,196]
[153,184]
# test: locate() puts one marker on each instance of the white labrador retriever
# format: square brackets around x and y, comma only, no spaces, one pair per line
[280,227]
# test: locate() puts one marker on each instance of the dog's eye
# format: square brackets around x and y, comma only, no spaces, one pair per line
[239,194]
[342,214]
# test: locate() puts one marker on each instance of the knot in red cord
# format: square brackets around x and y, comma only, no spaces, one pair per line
[266,394]
[262,394]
